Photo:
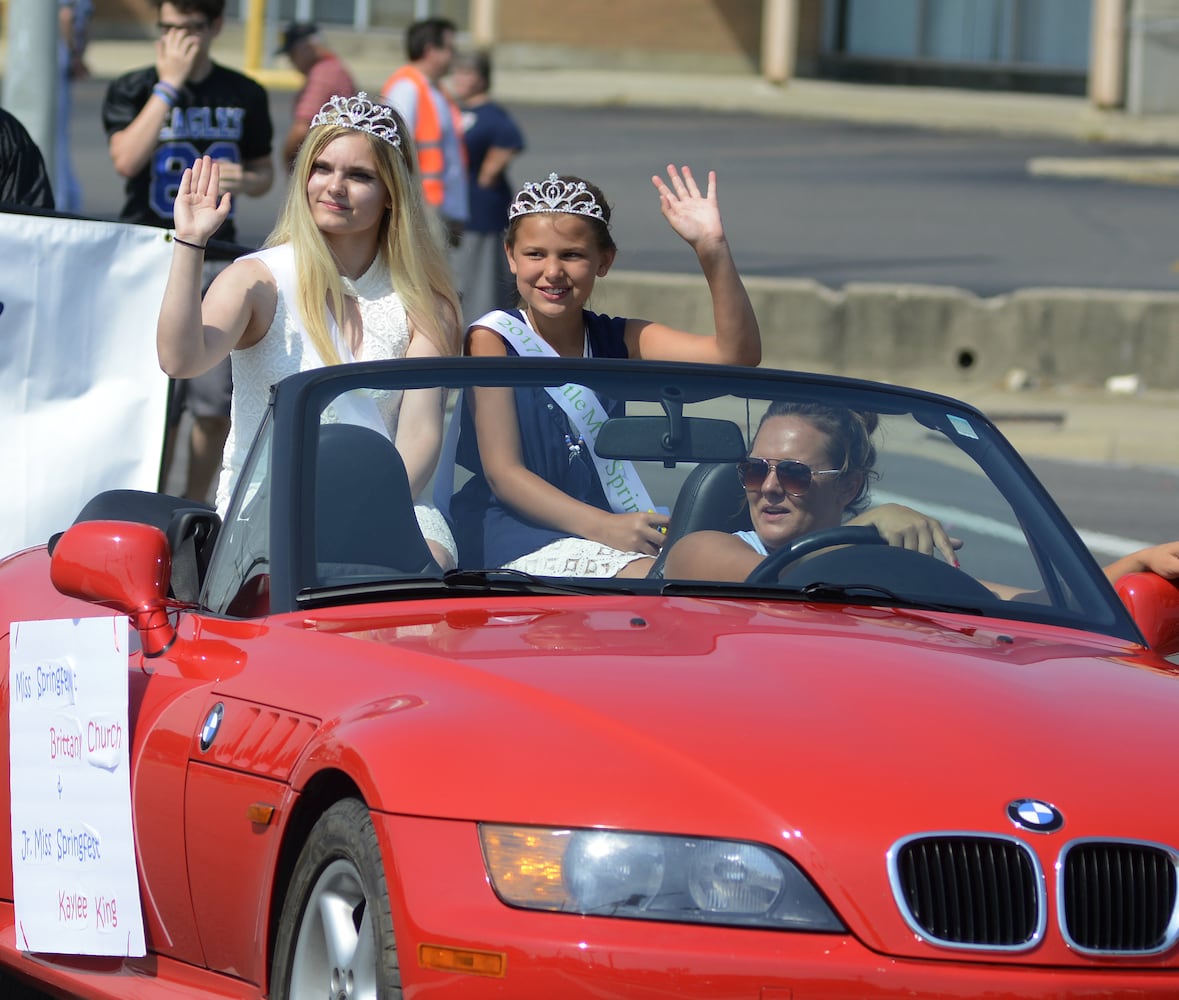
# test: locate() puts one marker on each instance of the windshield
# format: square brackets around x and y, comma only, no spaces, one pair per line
[706,480]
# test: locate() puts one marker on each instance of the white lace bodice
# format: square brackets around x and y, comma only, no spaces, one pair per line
[283,350]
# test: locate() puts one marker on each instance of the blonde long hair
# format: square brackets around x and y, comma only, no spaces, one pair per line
[410,244]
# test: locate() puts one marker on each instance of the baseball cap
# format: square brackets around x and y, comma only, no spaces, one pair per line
[293,33]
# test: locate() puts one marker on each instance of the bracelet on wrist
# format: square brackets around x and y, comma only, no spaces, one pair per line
[166,93]
[185,243]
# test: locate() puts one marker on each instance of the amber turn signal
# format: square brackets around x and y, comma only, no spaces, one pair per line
[260,812]
[478,963]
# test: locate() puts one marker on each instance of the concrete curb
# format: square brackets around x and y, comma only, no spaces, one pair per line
[1036,361]
[904,333]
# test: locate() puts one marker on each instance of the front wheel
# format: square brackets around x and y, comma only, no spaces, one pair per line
[335,935]
[12,988]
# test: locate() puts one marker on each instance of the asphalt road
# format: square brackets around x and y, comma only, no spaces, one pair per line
[840,203]
[830,201]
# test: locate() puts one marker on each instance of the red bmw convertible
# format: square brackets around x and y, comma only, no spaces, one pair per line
[868,767]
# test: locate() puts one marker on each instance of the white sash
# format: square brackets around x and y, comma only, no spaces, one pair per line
[620,481]
[355,407]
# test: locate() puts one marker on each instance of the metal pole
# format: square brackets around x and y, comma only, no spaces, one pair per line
[483,17]
[779,39]
[1107,54]
[31,77]
[361,16]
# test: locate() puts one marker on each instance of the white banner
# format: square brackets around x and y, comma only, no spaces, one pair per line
[82,397]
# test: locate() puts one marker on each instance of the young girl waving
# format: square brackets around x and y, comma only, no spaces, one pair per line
[545,506]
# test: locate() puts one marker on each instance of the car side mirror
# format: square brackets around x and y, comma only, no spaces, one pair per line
[1153,603]
[122,565]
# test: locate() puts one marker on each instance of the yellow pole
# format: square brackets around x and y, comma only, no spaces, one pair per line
[253,56]
[255,31]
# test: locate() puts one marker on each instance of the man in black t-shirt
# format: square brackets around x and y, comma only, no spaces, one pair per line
[158,121]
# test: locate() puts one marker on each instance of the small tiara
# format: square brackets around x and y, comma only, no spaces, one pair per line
[362,114]
[556,195]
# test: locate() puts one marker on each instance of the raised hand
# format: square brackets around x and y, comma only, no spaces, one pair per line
[694,216]
[200,208]
[176,55]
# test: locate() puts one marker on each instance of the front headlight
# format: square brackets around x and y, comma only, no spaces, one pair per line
[652,876]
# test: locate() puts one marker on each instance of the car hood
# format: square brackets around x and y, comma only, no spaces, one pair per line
[634,711]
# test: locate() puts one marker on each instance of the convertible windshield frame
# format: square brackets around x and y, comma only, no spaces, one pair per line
[298,403]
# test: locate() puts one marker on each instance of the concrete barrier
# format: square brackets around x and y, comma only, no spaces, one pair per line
[906,333]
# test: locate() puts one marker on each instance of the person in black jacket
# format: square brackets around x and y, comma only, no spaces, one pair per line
[24,180]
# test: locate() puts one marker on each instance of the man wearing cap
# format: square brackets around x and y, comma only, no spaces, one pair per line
[325,76]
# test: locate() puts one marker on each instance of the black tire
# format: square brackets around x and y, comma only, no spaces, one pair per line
[12,988]
[337,893]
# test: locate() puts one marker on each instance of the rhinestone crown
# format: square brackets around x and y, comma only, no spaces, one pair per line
[362,114]
[556,195]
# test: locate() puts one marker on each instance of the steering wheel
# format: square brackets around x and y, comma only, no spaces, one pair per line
[771,566]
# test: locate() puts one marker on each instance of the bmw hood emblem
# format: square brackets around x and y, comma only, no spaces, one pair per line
[212,724]
[1035,815]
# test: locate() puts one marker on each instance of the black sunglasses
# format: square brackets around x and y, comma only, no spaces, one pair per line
[794,477]
[188,27]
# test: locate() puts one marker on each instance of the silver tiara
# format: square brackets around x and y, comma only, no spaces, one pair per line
[556,195]
[361,114]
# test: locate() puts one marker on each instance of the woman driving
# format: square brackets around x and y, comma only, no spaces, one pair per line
[811,465]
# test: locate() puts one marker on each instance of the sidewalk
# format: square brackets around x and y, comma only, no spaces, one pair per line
[372,56]
[1080,423]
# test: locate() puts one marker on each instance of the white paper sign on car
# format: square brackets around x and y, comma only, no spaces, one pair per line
[73,854]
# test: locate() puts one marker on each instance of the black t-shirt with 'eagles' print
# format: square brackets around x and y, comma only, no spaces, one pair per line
[226,115]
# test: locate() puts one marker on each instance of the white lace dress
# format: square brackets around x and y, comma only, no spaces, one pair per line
[284,350]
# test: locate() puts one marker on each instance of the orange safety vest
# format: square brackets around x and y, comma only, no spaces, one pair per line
[427,132]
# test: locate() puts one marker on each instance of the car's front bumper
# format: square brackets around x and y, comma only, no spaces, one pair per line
[441,897]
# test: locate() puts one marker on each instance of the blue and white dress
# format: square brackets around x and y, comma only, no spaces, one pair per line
[492,533]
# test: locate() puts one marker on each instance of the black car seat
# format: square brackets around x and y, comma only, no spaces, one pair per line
[364,510]
[710,499]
